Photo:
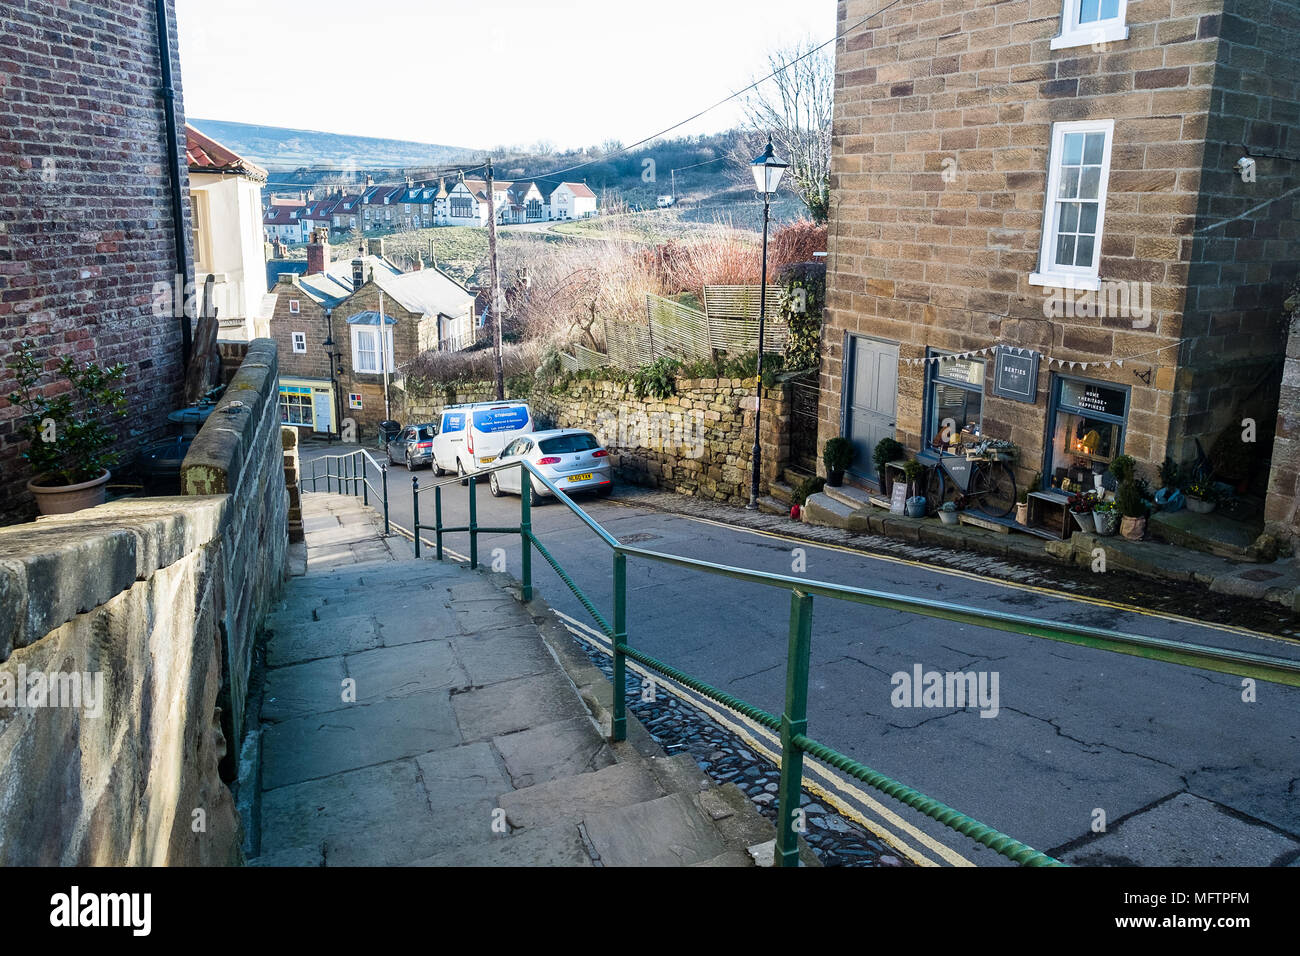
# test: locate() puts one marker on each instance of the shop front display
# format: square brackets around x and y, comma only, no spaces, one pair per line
[1086,431]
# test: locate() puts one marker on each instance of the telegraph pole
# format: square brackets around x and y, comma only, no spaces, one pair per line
[494,282]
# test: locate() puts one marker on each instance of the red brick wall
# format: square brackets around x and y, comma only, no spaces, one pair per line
[85,205]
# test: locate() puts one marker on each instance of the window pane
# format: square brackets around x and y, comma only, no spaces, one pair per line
[956,405]
[1088,11]
[1072,155]
[1090,182]
[1069,217]
[1094,148]
[1065,251]
[1109,9]
[1069,183]
[1083,255]
[567,444]
[1088,217]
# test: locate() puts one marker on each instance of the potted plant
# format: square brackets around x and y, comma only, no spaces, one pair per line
[948,512]
[1132,509]
[886,450]
[1202,496]
[1232,459]
[1105,517]
[914,473]
[1123,467]
[837,455]
[1080,505]
[69,435]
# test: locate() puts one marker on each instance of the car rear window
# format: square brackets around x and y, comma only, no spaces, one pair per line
[425,432]
[568,444]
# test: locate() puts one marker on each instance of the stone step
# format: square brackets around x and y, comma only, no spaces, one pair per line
[771,506]
[848,495]
[572,799]
[822,509]
[794,476]
[781,492]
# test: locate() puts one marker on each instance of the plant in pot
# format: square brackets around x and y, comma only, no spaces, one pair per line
[914,472]
[837,455]
[69,433]
[886,450]
[1080,505]
[1232,459]
[948,512]
[1105,517]
[1202,496]
[1133,510]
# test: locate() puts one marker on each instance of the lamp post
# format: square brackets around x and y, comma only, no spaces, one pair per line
[767,170]
[336,368]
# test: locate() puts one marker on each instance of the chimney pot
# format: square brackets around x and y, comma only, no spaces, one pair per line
[318,252]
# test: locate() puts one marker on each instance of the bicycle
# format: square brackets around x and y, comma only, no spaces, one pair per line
[989,486]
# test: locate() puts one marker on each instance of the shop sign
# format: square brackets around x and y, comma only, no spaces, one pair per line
[1087,397]
[1015,374]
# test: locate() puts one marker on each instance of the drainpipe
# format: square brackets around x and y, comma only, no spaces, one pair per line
[178,208]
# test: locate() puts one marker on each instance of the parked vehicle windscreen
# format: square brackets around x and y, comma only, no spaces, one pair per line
[568,444]
[509,419]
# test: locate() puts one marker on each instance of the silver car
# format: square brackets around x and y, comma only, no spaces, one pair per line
[413,445]
[569,457]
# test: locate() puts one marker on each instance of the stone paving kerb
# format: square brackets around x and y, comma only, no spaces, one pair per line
[412,713]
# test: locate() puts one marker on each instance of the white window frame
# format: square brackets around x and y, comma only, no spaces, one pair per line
[1073,33]
[1072,277]
[357,350]
[294,308]
[299,343]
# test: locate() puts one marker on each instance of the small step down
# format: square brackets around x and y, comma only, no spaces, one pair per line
[781,492]
[821,508]
[848,495]
[983,521]
[570,799]
[795,476]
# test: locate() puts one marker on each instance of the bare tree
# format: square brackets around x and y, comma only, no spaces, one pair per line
[795,108]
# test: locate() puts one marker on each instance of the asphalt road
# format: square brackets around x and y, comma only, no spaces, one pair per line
[1183,769]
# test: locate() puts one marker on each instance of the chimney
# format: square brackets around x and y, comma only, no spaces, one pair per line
[376,247]
[419,263]
[433,254]
[318,252]
[369,182]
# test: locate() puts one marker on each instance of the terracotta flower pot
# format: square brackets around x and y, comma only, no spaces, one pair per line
[1134,529]
[65,499]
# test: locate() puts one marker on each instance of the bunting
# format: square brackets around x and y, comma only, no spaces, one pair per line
[1051,360]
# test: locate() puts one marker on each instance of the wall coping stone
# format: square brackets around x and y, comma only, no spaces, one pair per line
[65,565]
[216,459]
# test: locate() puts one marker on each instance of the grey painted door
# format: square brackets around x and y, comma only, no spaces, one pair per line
[871,400]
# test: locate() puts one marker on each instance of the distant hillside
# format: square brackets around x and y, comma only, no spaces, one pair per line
[278,148]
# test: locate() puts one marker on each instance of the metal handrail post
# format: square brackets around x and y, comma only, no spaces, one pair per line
[525,533]
[365,483]
[794,721]
[415,513]
[618,723]
[383,474]
[437,521]
[473,523]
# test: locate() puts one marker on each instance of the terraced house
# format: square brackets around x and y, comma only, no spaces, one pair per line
[1071,223]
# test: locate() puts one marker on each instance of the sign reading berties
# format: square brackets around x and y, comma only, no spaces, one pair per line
[1015,374]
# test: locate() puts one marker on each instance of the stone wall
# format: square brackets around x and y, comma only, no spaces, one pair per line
[152,603]
[238,452]
[1282,504]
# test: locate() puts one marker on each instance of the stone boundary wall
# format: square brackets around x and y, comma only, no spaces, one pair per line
[142,613]
[697,442]
[1282,503]
[238,452]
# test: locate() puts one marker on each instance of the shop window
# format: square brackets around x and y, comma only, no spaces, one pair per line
[954,395]
[295,406]
[1087,430]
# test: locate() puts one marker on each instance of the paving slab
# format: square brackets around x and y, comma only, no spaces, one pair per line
[664,832]
[391,672]
[318,745]
[575,798]
[550,751]
[462,777]
[312,640]
[310,688]
[508,706]
[499,655]
[560,845]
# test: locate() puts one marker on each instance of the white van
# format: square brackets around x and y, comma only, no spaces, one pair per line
[470,437]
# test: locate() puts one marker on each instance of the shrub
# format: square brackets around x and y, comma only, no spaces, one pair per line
[657,380]
[886,450]
[913,471]
[837,454]
[1123,467]
[795,242]
[807,488]
[1129,500]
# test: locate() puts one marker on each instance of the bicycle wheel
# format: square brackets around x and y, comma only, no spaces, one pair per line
[994,488]
[938,489]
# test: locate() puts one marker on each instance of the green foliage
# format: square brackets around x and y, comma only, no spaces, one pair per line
[837,454]
[1204,489]
[69,433]
[1171,476]
[1123,467]
[657,380]
[807,488]
[1232,459]
[913,470]
[1023,495]
[886,450]
[803,293]
[1129,500]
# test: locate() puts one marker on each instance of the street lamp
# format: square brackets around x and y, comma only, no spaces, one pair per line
[335,357]
[768,171]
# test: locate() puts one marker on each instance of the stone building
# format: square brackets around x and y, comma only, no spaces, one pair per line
[92,182]
[1072,225]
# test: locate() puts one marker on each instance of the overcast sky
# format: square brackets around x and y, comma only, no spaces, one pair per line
[483,73]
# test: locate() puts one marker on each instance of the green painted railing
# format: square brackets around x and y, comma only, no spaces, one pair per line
[351,472]
[793,722]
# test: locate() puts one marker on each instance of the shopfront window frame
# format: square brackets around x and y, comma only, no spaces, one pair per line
[1055,407]
[930,412]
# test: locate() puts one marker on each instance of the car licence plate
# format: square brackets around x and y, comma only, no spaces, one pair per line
[487,461]
[586,477]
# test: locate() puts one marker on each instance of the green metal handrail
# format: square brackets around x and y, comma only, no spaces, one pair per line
[353,477]
[793,722]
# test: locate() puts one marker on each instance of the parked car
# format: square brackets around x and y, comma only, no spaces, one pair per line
[470,437]
[413,445]
[571,458]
